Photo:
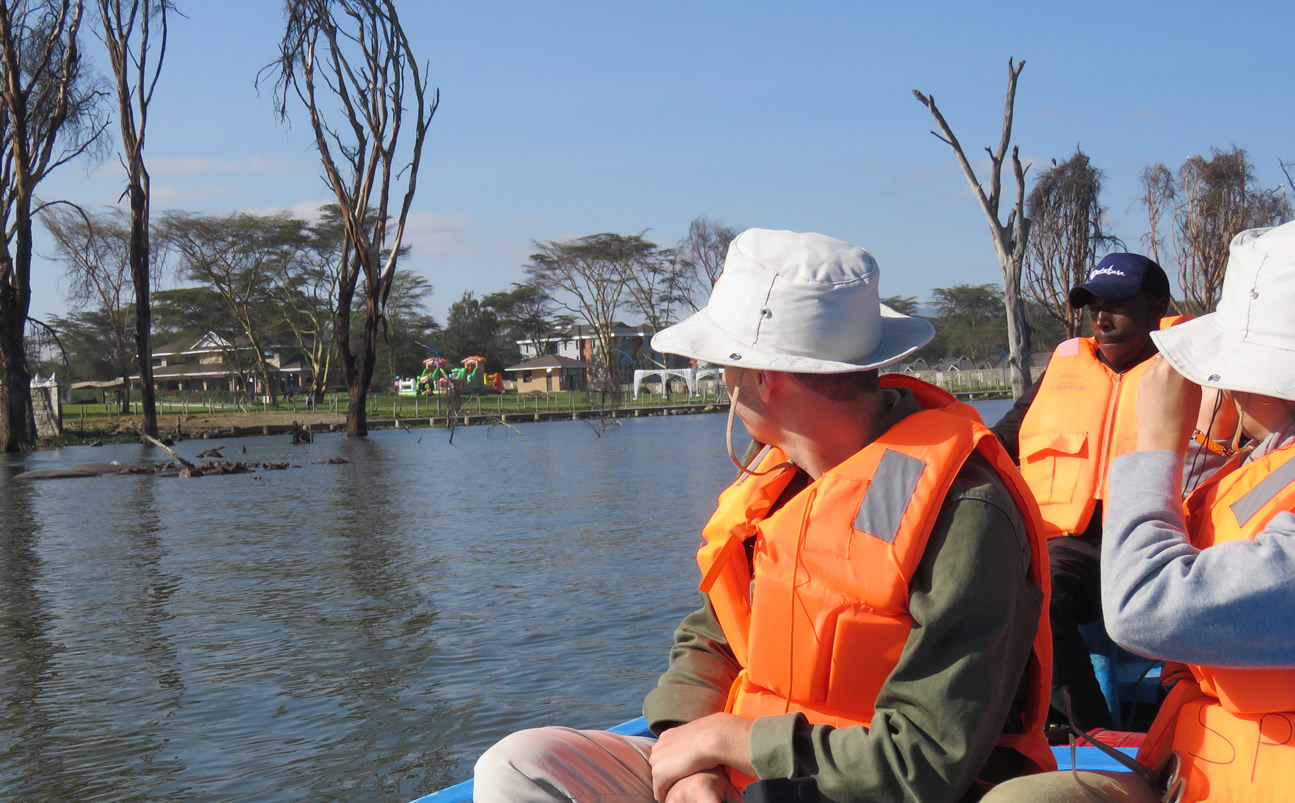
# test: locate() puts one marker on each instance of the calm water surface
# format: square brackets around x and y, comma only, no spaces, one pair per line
[340,632]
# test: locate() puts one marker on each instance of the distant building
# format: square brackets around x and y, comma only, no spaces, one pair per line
[576,344]
[212,363]
[965,373]
[549,373]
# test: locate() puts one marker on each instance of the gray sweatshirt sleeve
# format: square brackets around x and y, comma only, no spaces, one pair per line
[1228,605]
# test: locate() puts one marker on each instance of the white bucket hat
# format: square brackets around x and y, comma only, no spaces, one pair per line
[1248,343]
[800,303]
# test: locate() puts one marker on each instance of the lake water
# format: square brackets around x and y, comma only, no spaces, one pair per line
[340,632]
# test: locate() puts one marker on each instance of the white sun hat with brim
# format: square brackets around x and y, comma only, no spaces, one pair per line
[800,303]
[1248,343]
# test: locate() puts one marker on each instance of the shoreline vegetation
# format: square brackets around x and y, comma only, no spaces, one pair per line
[99,424]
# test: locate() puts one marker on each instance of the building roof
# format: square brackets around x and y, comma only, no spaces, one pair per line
[212,343]
[548,361]
[584,331]
[215,371]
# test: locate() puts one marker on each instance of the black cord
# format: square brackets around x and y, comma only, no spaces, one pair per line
[1188,485]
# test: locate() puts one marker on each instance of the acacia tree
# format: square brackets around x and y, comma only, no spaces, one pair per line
[1220,198]
[525,314]
[1010,236]
[904,305]
[357,51]
[971,319]
[1066,235]
[237,256]
[305,290]
[49,115]
[95,252]
[128,31]
[587,277]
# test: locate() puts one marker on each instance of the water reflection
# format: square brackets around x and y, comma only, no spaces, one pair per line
[27,651]
[339,632]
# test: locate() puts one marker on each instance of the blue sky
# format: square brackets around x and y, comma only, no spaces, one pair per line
[563,119]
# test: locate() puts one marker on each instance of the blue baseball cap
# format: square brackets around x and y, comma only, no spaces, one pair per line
[1119,276]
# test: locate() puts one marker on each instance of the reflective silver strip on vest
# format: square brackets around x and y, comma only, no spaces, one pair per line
[888,496]
[755,462]
[1263,493]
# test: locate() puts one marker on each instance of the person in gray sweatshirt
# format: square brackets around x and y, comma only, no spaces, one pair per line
[1209,583]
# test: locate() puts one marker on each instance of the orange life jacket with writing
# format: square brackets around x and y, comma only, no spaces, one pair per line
[1233,729]
[818,617]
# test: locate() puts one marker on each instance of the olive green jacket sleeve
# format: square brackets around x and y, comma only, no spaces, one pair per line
[702,668]
[942,708]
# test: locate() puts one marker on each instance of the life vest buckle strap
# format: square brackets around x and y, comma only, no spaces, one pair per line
[721,563]
[1125,761]
[1169,782]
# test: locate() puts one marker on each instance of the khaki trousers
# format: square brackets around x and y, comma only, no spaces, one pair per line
[563,764]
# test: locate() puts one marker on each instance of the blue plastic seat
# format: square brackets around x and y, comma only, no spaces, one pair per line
[1123,676]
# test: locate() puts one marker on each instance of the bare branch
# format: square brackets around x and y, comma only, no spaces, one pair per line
[356,50]
[1009,238]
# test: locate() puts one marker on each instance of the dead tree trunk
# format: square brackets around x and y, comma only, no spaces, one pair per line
[358,53]
[125,25]
[1010,236]
[42,88]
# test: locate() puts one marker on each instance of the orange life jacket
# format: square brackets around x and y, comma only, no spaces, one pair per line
[832,567]
[1233,729]
[1082,418]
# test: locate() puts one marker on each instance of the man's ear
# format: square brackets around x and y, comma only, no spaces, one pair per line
[769,383]
[1160,307]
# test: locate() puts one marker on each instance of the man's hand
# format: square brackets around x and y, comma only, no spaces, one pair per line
[1167,407]
[707,786]
[714,741]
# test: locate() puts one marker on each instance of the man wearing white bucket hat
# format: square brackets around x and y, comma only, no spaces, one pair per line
[1210,582]
[873,584]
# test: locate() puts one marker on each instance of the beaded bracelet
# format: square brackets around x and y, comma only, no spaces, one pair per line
[1212,445]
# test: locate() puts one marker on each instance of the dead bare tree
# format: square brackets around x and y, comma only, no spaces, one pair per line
[95,252]
[1010,236]
[1066,235]
[49,115]
[1220,198]
[1157,196]
[586,276]
[704,249]
[357,51]
[128,30]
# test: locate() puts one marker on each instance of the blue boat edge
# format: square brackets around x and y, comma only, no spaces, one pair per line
[1086,758]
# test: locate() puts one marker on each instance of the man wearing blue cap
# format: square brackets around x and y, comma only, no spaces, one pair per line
[1065,431]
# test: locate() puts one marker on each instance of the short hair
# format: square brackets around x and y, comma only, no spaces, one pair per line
[840,387]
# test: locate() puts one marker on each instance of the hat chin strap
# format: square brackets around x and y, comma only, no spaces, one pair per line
[728,439]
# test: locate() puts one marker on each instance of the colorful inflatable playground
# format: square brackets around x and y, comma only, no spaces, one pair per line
[438,378]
